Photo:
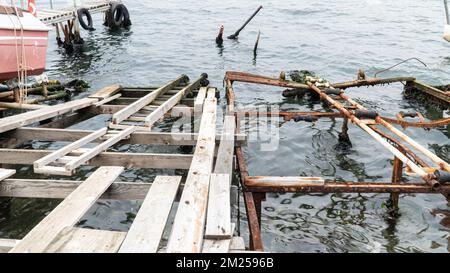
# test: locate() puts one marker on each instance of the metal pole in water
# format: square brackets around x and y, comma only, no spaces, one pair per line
[446,12]
[51,4]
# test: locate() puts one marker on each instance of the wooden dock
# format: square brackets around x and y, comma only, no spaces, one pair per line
[55,16]
[203,221]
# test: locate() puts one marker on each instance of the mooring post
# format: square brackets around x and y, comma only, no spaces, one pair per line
[397,171]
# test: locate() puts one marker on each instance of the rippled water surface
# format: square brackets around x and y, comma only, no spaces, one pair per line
[332,38]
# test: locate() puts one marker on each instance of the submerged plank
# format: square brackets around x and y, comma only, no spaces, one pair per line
[69,211]
[83,240]
[147,229]
[189,223]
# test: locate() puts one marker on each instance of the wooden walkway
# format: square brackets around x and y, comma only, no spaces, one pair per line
[55,16]
[203,221]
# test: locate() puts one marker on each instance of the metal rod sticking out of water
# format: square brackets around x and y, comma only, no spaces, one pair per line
[236,34]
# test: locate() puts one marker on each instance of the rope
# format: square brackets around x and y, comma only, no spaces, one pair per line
[404,61]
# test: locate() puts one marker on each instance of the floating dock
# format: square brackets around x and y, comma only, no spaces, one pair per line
[54,16]
[203,220]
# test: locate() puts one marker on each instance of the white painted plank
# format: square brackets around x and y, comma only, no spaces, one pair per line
[144,101]
[7,244]
[30,117]
[83,240]
[189,223]
[218,220]
[170,103]
[5,173]
[200,99]
[69,148]
[218,245]
[147,229]
[69,211]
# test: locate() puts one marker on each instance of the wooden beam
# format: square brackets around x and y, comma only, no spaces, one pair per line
[218,245]
[27,118]
[153,138]
[137,105]
[83,240]
[147,228]
[130,160]
[107,92]
[189,223]
[69,211]
[218,220]
[224,162]
[170,103]
[200,99]
[7,244]
[282,181]
[6,173]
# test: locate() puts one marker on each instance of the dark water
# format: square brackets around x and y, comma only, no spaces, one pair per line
[332,38]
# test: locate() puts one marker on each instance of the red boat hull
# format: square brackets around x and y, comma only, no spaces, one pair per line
[33,46]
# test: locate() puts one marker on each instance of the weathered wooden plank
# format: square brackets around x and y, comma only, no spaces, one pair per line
[69,211]
[130,160]
[170,103]
[154,138]
[105,101]
[137,105]
[83,240]
[189,223]
[237,244]
[218,245]
[82,159]
[147,229]
[218,220]
[107,92]
[60,189]
[25,106]
[6,173]
[224,162]
[69,148]
[7,244]
[200,99]
[283,181]
[27,118]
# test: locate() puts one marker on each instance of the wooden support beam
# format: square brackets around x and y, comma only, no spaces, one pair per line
[6,173]
[137,105]
[27,118]
[200,99]
[69,211]
[189,223]
[147,229]
[130,160]
[170,103]
[84,240]
[107,92]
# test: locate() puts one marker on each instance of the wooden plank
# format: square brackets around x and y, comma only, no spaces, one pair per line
[283,181]
[200,99]
[224,162]
[7,244]
[437,93]
[130,160]
[154,138]
[147,229]
[82,159]
[69,148]
[189,223]
[237,244]
[137,105]
[218,245]
[30,117]
[69,211]
[170,103]
[218,220]
[107,92]
[6,173]
[26,106]
[107,100]
[83,240]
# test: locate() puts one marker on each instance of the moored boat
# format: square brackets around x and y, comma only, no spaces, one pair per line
[23,43]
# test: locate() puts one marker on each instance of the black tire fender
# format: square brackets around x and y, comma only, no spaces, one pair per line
[90,23]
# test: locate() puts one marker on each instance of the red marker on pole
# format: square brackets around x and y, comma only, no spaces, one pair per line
[32,7]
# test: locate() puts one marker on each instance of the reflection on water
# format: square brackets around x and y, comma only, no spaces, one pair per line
[332,38]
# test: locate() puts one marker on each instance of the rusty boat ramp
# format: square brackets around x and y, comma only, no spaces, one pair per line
[197,186]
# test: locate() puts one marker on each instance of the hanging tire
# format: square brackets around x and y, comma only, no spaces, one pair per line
[114,16]
[90,24]
[126,17]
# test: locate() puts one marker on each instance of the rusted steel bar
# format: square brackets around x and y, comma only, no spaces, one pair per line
[252,78]
[371,81]
[397,171]
[441,163]
[432,182]
[236,34]
[258,198]
[347,187]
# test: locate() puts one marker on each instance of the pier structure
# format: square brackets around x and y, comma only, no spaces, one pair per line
[198,181]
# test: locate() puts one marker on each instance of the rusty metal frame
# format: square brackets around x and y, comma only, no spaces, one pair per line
[254,192]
